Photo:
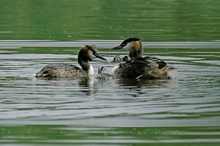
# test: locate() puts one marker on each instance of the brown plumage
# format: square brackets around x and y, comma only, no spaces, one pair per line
[66,70]
[139,67]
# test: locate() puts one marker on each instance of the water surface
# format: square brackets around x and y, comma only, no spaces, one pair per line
[184,111]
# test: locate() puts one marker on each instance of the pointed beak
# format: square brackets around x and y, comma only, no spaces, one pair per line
[117,48]
[95,52]
[99,56]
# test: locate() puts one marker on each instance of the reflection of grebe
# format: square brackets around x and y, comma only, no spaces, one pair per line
[66,70]
[140,67]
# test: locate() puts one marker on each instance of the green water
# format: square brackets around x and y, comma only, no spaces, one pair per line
[185,111]
[152,20]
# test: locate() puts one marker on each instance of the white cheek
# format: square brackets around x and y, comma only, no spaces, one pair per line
[91,54]
[128,46]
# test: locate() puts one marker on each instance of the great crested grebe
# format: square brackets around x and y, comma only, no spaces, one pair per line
[66,70]
[138,67]
[133,45]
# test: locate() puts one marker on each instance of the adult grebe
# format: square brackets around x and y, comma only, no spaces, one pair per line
[66,70]
[140,67]
[133,45]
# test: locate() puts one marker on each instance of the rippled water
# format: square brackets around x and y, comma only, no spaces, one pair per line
[117,112]
[113,112]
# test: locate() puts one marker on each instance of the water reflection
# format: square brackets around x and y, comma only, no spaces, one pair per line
[146,83]
[87,85]
[109,112]
[61,134]
[84,85]
[109,109]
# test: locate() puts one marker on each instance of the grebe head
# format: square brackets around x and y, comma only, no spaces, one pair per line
[85,55]
[134,46]
[88,53]
[101,69]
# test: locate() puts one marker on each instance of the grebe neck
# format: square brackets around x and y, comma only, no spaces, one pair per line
[87,67]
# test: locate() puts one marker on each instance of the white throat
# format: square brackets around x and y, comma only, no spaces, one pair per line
[91,70]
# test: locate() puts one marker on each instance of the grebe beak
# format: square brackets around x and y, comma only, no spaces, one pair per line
[95,52]
[99,56]
[117,48]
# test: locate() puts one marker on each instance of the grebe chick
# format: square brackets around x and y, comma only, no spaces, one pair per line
[66,70]
[102,75]
[119,59]
[138,67]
